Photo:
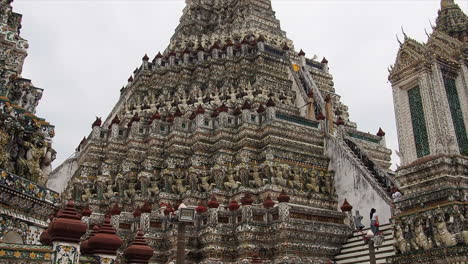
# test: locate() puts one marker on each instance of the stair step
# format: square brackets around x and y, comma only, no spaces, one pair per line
[355,251]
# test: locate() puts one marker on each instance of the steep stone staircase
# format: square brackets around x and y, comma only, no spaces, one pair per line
[382,178]
[356,251]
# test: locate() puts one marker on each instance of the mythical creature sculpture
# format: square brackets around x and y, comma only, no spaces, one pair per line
[243,175]
[256,181]
[278,178]
[312,183]
[179,186]
[400,242]
[49,157]
[295,180]
[420,237]
[130,192]
[110,192]
[267,172]
[87,195]
[231,183]
[168,178]
[205,184]
[153,190]
[443,236]
[30,165]
[218,175]
[193,180]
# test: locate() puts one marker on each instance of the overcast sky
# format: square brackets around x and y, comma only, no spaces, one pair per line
[82,52]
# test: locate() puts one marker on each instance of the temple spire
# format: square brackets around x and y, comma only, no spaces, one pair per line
[452,21]
[226,19]
[446,3]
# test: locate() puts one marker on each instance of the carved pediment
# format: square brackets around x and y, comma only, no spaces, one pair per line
[411,53]
[441,44]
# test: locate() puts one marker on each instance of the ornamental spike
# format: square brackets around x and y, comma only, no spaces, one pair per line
[404,34]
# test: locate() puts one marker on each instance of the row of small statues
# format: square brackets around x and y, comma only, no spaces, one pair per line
[429,234]
[179,182]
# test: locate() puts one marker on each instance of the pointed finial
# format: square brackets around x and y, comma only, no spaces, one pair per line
[446,3]
[404,34]
[427,34]
[398,39]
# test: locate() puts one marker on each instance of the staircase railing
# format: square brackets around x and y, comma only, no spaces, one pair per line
[357,163]
[378,173]
[307,84]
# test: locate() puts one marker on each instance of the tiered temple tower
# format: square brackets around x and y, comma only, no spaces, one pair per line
[25,151]
[430,88]
[231,112]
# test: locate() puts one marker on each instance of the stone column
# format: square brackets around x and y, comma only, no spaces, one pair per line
[213,205]
[65,232]
[145,216]
[115,215]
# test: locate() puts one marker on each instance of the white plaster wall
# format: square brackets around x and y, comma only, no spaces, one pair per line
[60,177]
[351,185]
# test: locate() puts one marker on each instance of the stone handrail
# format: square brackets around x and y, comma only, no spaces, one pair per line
[359,166]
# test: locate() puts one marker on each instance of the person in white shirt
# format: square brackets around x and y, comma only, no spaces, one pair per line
[396,195]
[374,217]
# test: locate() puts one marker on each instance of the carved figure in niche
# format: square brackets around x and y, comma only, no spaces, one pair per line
[168,178]
[77,192]
[218,175]
[437,239]
[193,180]
[153,190]
[49,157]
[130,192]
[456,221]
[99,190]
[278,178]
[444,235]
[30,164]
[205,184]
[295,180]
[312,184]
[322,184]
[87,195]
[109,192]
[256,181]
[243,175]
[420,237]
[231,183]
[408,234]
[400,242]
[465,231]
[144,184]
[329,182]
[268,173]
[179,186]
